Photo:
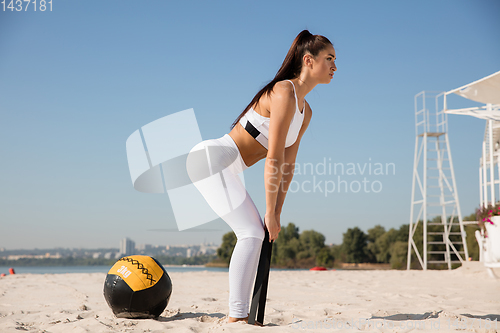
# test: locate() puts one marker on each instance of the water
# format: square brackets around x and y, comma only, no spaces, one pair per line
[98,269]
[105,269]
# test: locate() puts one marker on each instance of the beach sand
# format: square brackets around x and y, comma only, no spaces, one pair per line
[342,300]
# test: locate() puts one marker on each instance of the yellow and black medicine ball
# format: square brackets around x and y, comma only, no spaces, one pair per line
[137,287]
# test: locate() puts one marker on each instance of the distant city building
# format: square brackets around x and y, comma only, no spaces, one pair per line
[144,247]
[208,248]
[127,247]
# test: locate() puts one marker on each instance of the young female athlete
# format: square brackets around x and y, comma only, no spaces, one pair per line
[270,127]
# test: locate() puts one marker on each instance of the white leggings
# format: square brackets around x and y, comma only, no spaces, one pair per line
[213,166]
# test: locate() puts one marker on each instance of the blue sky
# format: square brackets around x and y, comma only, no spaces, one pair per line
[77,81]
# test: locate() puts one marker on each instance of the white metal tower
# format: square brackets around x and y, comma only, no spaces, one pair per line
[490,157]
[487,92]
[434,199]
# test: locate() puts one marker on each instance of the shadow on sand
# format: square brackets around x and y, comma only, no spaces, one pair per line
[435,315]
[200,316]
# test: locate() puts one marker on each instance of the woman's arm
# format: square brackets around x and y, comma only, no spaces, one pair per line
[289,166]
[282,109]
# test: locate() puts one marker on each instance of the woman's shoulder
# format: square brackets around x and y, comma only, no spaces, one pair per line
[285,85]
[281,94]
[283,90]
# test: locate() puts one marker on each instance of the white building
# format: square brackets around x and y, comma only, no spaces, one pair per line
[144,247]
[127,247]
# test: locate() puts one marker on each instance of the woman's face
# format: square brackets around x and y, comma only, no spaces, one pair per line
[323,66]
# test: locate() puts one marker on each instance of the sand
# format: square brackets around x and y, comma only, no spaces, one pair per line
[465,299]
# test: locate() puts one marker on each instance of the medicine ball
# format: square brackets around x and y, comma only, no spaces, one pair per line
[137,287]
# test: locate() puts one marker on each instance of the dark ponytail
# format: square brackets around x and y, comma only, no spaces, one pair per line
[304,43]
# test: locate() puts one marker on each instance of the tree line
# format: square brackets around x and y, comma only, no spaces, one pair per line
[306,249]
[294,249]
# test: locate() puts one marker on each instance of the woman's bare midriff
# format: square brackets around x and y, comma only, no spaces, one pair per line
[251,150]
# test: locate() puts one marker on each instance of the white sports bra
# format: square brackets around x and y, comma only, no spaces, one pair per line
[258,126]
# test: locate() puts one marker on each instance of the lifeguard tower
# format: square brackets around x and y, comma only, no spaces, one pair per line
[440,237]
[486,91]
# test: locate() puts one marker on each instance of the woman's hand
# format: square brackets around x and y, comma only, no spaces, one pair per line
[273,225]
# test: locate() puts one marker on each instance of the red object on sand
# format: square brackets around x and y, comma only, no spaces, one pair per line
[3,274]
[318,268]
[11,271]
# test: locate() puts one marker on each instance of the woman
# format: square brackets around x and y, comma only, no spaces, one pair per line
[270,127]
